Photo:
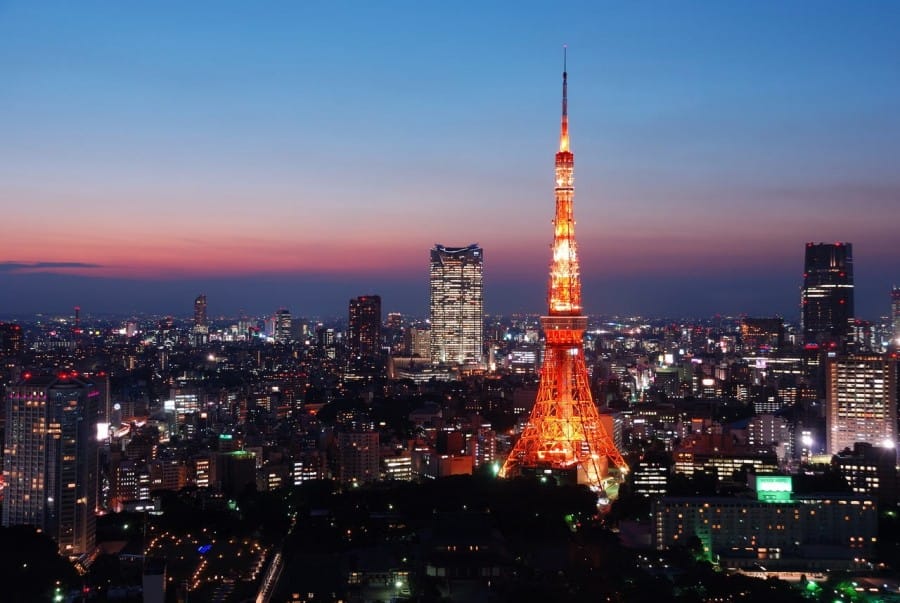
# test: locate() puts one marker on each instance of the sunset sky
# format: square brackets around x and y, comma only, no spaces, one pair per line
[299,153]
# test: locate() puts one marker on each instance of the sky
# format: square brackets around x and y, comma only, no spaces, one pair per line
[296,154]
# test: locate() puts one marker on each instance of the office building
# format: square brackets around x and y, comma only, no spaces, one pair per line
[358,457]
[895,314]
[762,335]
[871,470]
[326,342]
[50,459]
[457,304]
[201,324]
[11,341]
[776,530]
[721,455]
[364,330]
[861,401]
[827,296]
[397,467]
[651,475]
[417,342]
[282,332]
[771,430]
[129,484]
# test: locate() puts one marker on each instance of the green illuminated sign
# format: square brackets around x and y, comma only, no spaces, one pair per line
[774,488]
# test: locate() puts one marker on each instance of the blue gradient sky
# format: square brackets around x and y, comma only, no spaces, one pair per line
[297,154]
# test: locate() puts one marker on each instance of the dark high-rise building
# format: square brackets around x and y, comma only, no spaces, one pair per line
[50,459]
[895,314]
[326,342]
[364,330]
[11,341]
[762,334]
[358,457]
[201,324]
[827,297]
[200,311]
[457,304]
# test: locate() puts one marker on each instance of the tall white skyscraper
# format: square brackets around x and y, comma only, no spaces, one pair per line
[457,304]
[861,401]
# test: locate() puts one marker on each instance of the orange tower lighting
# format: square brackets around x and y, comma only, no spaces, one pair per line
[565,431]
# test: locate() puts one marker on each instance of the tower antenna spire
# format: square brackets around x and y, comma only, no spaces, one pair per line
[564,128]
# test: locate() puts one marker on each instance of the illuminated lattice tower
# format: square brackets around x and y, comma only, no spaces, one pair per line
[565,432]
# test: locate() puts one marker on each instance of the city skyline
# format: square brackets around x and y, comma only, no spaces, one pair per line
[279,158]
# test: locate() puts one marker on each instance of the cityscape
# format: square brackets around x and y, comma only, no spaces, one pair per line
[202,403]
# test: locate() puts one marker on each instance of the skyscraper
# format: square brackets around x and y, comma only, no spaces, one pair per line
[827,297]
[364,330]
[457,304]
[201,324]
[283,326]
[565,434]
[50,459]
[895,314]
[11,342]
[861,401]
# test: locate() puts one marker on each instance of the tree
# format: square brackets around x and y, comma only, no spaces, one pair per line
[30,566]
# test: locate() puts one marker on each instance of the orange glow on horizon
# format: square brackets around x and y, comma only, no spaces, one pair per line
[116,258]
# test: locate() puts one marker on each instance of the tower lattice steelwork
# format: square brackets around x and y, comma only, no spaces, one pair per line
[565,431]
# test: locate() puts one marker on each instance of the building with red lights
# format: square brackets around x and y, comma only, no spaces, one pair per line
[827,296]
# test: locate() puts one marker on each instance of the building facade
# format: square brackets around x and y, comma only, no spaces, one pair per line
[861,401]
[827,296]
[830,531]
[50,459]
[11,340]
[895,315]
[283,326]
[358,457]
[201,323]
[457,304]
[871,470]
[364,330]
[762,335]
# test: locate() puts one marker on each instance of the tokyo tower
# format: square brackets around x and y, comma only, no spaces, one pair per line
[565,434]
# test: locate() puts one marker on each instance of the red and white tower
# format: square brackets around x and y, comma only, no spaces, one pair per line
[565,432]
